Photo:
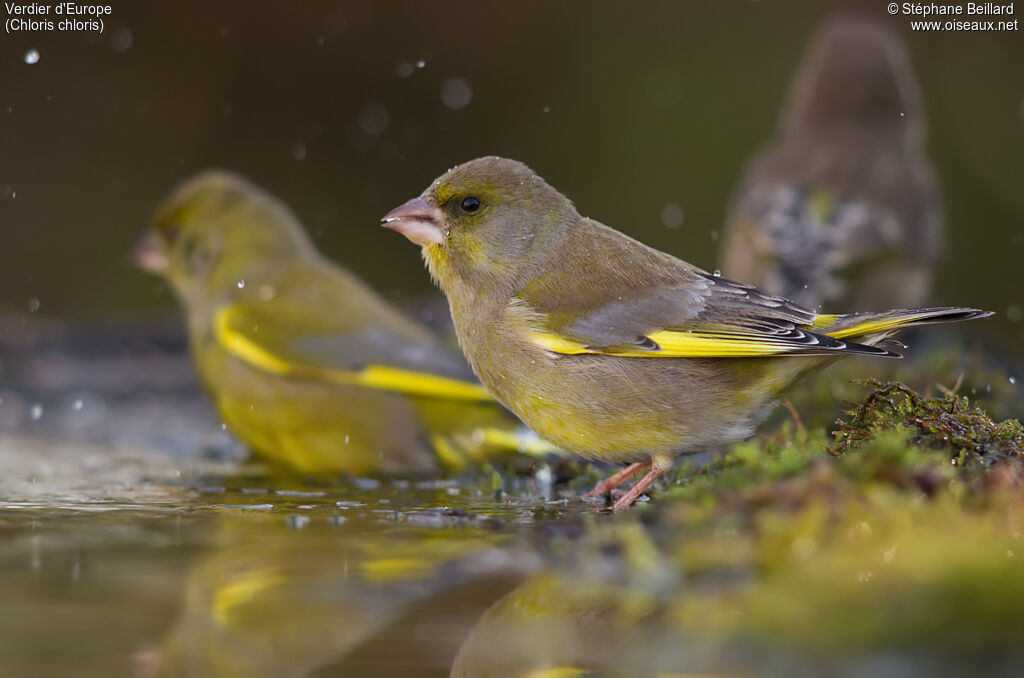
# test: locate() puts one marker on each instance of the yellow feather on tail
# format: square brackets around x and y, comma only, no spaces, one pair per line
[871,325]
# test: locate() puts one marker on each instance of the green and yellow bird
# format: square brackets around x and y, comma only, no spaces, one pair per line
[308,365]
[842,209]
[607,347]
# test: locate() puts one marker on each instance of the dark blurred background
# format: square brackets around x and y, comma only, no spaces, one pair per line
[347,109]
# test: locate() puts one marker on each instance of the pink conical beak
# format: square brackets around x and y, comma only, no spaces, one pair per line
[419,220]
[149,253]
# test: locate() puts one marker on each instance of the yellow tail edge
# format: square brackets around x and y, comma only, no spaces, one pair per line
[861,324]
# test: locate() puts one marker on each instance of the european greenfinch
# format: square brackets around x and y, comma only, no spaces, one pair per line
[607,347]
[307,364]
[841,210]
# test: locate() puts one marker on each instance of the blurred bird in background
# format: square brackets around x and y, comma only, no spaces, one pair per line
[307,364]
[842,210]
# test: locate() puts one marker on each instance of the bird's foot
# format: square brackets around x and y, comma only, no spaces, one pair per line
[639,487]
[612,482]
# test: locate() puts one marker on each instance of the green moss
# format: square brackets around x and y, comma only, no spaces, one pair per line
[950,425]
[847,546]
[932,372]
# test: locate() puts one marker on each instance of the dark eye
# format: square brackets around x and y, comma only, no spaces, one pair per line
[470,204]
[171,233]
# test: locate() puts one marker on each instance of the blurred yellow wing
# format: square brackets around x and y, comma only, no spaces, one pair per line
[243,346]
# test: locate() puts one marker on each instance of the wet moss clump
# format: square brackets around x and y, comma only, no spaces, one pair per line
[898,534]
[949,425]
[932,372]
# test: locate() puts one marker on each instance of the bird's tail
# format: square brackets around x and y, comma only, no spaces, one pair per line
[870,328]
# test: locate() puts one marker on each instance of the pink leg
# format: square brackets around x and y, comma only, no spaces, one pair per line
[639,487]
[611,482]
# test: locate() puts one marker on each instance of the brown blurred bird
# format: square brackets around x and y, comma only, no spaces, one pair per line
[607,347]
[841,210]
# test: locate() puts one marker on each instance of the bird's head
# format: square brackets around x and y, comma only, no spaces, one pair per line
[856,70]
[218,232]
[483,221]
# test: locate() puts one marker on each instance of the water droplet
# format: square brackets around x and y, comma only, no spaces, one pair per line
[716,273]
[31,57]
[404,69]
[456,93]
[546,109]
[421,64]
[121,39]
[241,284]
[78,404]
[902,114]
[33,305]
[346,440]
[298,151]
[36,412]
[672,216]
[372,119]
[1013,380]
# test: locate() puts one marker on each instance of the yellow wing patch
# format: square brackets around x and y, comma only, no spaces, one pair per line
[229,598]
[558,672]
[677,345]
[718,345]
[380,377]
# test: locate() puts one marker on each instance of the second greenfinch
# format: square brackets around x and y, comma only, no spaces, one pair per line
[607,347]
[307,364]
[841,209]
